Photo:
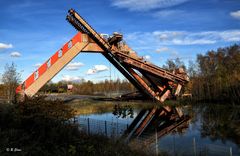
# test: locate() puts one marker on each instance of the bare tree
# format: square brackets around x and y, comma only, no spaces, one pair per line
[10,79]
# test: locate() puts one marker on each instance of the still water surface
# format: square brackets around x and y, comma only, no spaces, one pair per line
[212,130]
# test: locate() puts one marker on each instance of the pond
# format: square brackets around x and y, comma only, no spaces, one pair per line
[201,130]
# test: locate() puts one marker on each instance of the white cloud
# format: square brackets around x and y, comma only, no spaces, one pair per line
[71,78]
[184,38]
[167,13]
[145,5]
[230,36]
[70,66]
[147,57]
[5,46]
[97,69]
[161,38]
[91,72]
[74,66]
[171,52]
[100,67]
[162,49]
[15,54]
[191,41]
[37,65]
[236,14]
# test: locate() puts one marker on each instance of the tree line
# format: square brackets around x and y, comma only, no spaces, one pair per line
[89,88]
[10,80]
[43,127]
[214,76]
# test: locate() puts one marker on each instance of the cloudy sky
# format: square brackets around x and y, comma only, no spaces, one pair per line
[31,31]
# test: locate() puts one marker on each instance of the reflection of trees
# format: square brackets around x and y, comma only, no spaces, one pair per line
[157,121]
[123,111]
[221,122]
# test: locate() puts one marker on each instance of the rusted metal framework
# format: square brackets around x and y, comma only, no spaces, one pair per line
[149,79]
[161,120]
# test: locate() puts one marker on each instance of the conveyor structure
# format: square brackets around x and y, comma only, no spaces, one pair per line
[149,79]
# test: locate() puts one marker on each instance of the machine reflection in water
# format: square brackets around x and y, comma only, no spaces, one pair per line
[208,130]
[162,120]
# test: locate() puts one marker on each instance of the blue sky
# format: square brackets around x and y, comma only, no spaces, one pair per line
[31,31]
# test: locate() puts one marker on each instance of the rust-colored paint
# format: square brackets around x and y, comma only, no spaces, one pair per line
[74,40]
[77,38]
[149,68]
[93,48]
[65,48]
[18,89]
[123,61]
[54,58]
[29,80]
[42,69]
[144,84]
[165,95]
[54,69]
[146,120]
[166,130]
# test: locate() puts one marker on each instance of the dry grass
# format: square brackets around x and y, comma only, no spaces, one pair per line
[89,106]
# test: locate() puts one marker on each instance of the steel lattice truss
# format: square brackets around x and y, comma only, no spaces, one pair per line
[149,79]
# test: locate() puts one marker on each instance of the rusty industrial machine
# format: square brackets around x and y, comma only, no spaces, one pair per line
[152,122]
[157,121]
[150,80]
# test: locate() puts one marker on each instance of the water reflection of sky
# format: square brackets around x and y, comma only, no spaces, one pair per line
[112,118]
[181,143]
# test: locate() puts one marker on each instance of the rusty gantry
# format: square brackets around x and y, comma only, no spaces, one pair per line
[152,120]
[150,80]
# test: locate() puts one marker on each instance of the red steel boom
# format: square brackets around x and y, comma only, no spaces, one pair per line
[151,80]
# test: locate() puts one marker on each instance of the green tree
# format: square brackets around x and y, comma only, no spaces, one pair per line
[170,65]
[218,78]
[174,64]
[10,79]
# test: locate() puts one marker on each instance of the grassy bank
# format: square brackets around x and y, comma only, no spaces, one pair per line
[39,127]
[90,106]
